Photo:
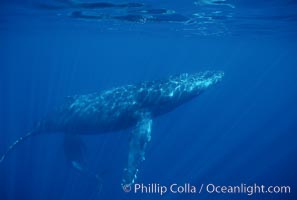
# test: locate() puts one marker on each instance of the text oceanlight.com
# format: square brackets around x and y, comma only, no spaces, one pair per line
[187,188]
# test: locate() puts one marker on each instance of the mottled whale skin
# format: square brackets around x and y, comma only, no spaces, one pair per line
[130,106]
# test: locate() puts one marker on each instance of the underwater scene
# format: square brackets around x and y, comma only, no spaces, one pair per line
[143,99]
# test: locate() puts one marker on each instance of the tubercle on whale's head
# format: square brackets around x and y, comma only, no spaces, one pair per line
[206,79]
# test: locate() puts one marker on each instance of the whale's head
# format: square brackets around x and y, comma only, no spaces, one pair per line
[183,87]
[197,83]
[191,84]
[204,80]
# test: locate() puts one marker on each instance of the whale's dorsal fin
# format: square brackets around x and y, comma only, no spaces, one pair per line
[140,136]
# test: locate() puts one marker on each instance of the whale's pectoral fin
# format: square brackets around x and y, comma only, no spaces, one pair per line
[74,149]
[140,136]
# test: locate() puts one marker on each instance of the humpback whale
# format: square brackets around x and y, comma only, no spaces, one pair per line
[128,107]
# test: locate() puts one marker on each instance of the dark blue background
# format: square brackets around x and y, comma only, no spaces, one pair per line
[241,131]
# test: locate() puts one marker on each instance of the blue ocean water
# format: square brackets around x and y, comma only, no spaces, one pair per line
[242,131]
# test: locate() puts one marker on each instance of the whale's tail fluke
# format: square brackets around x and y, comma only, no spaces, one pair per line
[18,141]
